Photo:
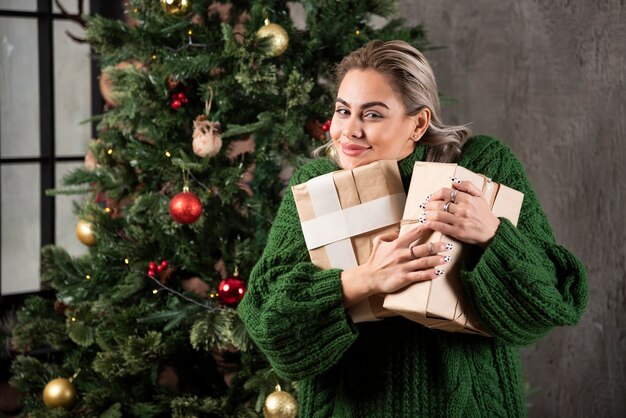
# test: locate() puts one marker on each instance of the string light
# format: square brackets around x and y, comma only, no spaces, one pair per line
[155,291]
[107,210]
[154,57]
[167,154]
[357,32]
[189,32]
[110,151]
[88,277]
[126,261]
[73,319]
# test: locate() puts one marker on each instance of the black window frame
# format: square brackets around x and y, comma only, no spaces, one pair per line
[47,158]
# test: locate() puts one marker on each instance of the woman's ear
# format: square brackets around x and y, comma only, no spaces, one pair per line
[421,120]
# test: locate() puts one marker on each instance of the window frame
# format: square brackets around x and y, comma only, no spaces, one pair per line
[48,158]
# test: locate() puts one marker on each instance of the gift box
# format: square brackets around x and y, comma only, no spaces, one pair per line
[441,303]
[341,212]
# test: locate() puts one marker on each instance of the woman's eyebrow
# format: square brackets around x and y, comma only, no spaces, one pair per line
[365,105]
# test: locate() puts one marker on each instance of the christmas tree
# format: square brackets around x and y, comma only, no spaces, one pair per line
[209,106]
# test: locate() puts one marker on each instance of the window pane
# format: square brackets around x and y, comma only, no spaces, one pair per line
[19,88]
[65,218]
[21,240]
[21,5]
[72,88]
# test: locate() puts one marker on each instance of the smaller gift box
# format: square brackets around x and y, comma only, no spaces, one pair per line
[441,303]
[341,212]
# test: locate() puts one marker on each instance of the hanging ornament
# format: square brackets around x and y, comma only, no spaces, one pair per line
[207,140]
[280,404]
[85,234]
[326,125]
[185,207]
[175,7]
[60,392]
[330,152]
[279,39]
[231,290]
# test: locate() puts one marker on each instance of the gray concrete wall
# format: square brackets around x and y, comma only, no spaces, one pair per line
[549,79]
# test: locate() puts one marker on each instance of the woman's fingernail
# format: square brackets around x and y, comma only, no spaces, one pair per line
[423,214]
[439,272]
[448,246]
[428,197]
[422,220]
[447,259]
[456,180]
[423,206]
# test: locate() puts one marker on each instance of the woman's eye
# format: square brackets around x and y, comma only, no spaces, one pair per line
[342,111]
[372,115]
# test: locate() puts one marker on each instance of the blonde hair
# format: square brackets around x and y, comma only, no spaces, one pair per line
[412,78]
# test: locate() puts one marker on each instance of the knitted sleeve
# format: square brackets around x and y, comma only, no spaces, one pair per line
[293,310]
[523,284]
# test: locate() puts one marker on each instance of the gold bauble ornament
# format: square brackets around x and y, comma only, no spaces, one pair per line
[84,232]
[331,152]
[59,393]
[175,7]
[279,39]
[280,404]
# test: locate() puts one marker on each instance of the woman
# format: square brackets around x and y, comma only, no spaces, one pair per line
[520,282]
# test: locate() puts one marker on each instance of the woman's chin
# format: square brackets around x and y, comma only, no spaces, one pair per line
[348,163]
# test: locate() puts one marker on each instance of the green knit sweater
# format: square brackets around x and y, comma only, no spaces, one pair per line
[521,286]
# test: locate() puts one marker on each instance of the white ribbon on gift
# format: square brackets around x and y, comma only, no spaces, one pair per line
[333,226]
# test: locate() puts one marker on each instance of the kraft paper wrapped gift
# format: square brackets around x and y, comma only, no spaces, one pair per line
[341,212]
[441,303]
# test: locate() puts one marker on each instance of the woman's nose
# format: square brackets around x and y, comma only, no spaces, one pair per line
[352,128]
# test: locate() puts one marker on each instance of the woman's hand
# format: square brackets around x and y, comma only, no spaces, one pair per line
[395,262]
[467,216]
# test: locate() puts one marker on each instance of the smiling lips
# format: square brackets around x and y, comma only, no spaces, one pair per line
[353,150]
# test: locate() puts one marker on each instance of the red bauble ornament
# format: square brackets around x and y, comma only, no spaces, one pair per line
[185,207]
[326,125]
[231,291]
[176,104]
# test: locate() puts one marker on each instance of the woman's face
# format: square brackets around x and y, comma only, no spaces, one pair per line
[370,121]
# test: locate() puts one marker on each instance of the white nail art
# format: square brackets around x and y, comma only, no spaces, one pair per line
[439,272]
[449,246]
[456,180]
[447,259]
[422,220]
[428,197]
